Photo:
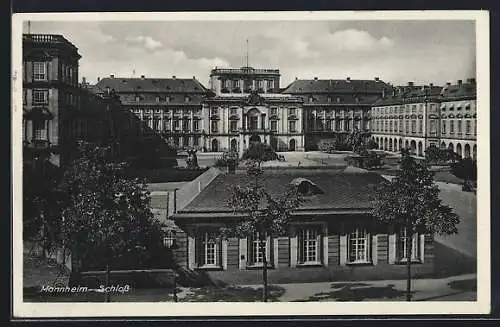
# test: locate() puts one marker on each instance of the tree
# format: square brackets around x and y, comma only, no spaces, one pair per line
[107,218]
[262,213]
[411,202]
[41,201]
[465,169]
[357,142]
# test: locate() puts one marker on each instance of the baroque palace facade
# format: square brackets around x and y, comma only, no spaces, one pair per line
[246,104]
[239,106]
[417,117]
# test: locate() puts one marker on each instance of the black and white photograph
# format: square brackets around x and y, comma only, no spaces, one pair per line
[275,162]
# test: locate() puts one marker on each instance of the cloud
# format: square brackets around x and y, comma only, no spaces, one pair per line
[351,40]
[146,41]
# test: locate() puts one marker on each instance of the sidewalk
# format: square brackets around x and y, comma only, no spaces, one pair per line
[457,288]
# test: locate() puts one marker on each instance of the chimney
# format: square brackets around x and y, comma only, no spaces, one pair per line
[173,77]
[194,77]
[459,82]
[448,84]
[84,80]
[315,78]
[112,76]
[98,79]
[472,80]
[143,76]
[431,84]
[410,84]
[296,78]
[377,79]
[348,79]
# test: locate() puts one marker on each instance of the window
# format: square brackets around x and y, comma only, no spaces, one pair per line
[233,111]
[166,125]
[402,246]
[274,111]
[359,244]
[407,126]
[391,126]
[196,125]
[413,126]
[137,98]
[177,111]
[395,126]
[157,99]
[187,99]
[185,141]
[214,111]
[233,125]
[443,127]
[39,130]
[452,126]
[236,83]
[260,84]
[270,84]
[214,126]
[420,126]
[39,71]
[291,112]
[255,253]
[329,125]
[433,126]
[467,127]
[209,250]
[311,99]
[185,125]
[475,127]
[196,140]
[25,96]
[414,109]
[274,125]
[176,125]
[156,124]
[309,245]
[401,126]
[459,127]
[291,126]
[169,238]
[40,96]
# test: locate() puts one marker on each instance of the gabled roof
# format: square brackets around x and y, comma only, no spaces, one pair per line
[154,85]
[342,190]
[408,94]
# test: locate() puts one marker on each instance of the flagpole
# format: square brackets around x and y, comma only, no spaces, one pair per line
[247,53]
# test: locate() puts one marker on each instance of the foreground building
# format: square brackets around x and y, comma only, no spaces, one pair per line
[332,235]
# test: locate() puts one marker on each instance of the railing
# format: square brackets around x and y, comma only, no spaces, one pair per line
[254,130]
[244,70]
[45,38]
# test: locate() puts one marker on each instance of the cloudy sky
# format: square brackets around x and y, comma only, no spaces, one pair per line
[396,51]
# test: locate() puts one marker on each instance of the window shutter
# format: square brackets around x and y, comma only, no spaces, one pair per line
[275,252]
[243,255]
[192,251]
[392,248]
[300,243]
[324,243]
[374,249]
[223,253]
[343,249]
[422,248]
[293,247]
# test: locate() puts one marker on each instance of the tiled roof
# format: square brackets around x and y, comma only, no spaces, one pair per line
[153,85]
[342,190]
[458,91]
[335,86]
[405,94]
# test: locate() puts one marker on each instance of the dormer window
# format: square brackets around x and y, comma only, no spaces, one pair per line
[306,187]
[137,98]
[187,99]
[329,99]
[311,99]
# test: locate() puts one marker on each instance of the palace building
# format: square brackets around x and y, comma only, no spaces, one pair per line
[332,109]
[247,104]
[417,117]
